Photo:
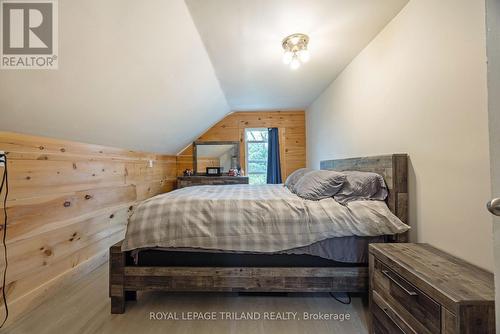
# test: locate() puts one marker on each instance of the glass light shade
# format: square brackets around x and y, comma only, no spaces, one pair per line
[295,63]
[304,55]
[295,40]
[287,57]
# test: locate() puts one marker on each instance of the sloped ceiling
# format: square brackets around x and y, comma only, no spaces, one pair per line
[243,39]
[132,74]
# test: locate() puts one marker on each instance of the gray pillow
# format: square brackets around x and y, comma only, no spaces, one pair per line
[319,184]
[362,186]
[293,178]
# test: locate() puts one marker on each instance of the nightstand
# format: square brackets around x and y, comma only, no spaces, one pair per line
[416,288]
[200,180]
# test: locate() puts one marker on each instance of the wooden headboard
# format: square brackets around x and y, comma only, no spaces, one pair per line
[394,169]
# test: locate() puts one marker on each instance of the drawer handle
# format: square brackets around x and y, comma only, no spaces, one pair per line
[389,276]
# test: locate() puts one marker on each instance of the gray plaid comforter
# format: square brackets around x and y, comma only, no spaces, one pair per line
[254,218]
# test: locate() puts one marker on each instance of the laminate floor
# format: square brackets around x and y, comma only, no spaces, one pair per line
[84,307]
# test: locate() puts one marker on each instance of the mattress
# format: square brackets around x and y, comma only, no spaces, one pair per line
[251,218]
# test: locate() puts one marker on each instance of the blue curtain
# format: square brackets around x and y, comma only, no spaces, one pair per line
[273,157]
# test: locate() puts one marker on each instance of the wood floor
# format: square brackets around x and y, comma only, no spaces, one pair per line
[84,306]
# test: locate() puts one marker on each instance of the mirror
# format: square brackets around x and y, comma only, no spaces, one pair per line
[221,154]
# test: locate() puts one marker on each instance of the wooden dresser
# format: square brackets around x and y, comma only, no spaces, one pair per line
[415,288]
[199,180]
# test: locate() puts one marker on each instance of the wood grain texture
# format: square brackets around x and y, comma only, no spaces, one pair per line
[292,134]
[450,295]
[68,203]
[386,320]
[188,181]
[448,322]
[125,278]
[423,312]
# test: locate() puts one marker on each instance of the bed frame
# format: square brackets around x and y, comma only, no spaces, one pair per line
[125,280]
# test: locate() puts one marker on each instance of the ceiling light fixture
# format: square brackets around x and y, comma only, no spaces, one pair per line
[296,51]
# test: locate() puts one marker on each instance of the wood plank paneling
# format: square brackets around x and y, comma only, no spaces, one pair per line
[37,214]
[68,203]
[291,125]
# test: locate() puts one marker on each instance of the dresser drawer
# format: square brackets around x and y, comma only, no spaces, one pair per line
[385,320]
[411,304]
[382,324]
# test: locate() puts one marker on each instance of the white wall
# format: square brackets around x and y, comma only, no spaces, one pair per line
[420,87]
[132,74]
[493,47]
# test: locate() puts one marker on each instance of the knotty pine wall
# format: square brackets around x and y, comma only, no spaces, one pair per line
[291,125]
[68,202]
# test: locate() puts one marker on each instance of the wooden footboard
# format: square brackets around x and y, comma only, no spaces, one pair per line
[125,281]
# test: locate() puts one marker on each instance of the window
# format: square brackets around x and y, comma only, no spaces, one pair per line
[256,155]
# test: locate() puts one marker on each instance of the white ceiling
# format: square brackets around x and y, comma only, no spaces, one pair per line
[243,39]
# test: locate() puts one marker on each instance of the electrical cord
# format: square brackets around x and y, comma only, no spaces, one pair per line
[341,301]
[5,182]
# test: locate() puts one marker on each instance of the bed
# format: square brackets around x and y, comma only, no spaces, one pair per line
[237,262]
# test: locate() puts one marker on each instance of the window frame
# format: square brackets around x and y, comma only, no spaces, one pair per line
[246,150]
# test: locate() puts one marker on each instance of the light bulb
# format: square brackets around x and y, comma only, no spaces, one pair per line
[295,40]
[295,63]
[304,55]
[287,57]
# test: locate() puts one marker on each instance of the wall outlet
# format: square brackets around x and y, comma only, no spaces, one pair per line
[2,159]
[150,163]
